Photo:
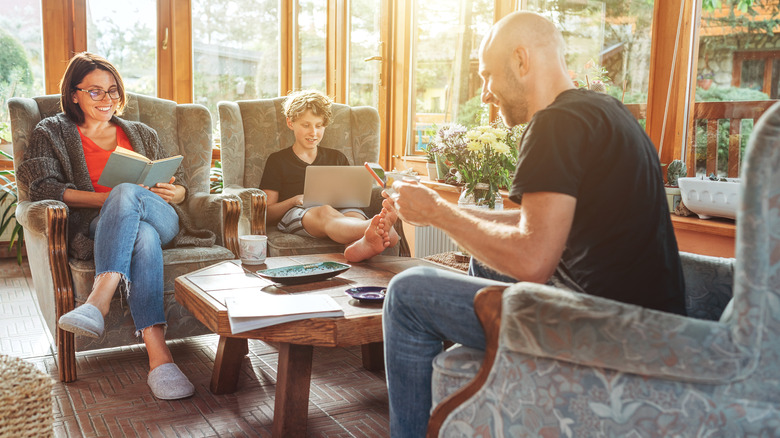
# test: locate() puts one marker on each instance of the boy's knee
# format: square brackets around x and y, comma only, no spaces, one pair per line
[321,213]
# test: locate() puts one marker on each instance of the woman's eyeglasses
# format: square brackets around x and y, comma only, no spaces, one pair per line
[98,94]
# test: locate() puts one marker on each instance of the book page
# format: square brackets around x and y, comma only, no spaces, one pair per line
[129,153]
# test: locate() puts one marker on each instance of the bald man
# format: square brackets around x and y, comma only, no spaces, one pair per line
[593,216]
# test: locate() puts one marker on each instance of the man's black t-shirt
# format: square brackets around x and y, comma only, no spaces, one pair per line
[621,244]
[286,173]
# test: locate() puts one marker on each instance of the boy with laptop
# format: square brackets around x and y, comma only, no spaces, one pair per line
[308,113]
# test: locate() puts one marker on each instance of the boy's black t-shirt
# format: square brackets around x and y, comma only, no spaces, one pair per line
[621,245]
[286,173]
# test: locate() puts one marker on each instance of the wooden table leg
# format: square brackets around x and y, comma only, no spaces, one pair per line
[373,356]
[293,379]
[227,364]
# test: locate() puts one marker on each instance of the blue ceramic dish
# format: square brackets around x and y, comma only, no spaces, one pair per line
[367,293]
[307,273]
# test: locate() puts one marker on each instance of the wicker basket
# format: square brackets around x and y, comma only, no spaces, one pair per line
[25,399]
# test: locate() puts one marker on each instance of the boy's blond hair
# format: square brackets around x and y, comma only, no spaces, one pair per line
[318,103]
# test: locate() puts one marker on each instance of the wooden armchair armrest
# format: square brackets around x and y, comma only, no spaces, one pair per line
[226,207]
[47,223]
[253,206]
[487,305]
[258,207]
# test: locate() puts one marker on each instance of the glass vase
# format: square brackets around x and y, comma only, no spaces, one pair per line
[478,198]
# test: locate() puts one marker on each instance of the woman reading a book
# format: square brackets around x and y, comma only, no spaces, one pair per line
[123,229]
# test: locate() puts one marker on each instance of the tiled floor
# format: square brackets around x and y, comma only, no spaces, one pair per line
[111,398]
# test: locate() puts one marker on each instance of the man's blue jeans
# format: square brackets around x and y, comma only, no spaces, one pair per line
[129,233]
[424,307]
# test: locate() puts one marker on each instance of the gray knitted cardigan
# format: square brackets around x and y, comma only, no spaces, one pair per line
[54,161]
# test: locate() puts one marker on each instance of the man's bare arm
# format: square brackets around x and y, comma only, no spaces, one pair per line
[527,248]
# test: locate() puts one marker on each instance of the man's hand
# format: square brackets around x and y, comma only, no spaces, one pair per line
[170,192]
[415,203]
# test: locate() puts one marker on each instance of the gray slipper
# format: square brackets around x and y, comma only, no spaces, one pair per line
[169,383]
[84,320]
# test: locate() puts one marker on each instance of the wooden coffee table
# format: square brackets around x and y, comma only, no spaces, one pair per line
[203,292]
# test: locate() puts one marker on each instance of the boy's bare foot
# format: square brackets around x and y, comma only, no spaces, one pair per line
[379,235]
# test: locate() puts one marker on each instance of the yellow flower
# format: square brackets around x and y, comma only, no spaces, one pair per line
[472,135]
[488,138]
[500,147]
[474,146]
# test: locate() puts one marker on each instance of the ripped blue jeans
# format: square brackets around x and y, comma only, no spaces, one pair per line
[129,233]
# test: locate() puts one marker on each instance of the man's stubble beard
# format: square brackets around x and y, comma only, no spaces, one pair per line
[515,110]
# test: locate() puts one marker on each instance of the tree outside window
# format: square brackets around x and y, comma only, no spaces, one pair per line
[21,65]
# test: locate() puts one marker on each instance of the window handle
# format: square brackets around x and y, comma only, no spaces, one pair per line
[374,58]
[165,40]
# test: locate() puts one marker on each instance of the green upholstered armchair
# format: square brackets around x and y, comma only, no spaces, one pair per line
[252,130]
[62,283]
[559,363]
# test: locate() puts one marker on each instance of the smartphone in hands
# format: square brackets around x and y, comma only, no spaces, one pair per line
[386,179]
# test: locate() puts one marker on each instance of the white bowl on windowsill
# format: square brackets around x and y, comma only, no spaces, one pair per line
[709,198]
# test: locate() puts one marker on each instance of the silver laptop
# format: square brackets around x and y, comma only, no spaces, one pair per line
[337,186]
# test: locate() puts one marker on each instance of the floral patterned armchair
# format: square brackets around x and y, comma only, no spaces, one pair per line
[253,129]
[62,282]
[565,364]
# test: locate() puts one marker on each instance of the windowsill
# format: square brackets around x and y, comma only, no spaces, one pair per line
[716,226]
[713,237]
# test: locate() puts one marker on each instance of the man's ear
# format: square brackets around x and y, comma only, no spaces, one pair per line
[520,60]
[289,123]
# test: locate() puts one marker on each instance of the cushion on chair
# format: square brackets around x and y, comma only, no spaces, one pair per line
[454,368]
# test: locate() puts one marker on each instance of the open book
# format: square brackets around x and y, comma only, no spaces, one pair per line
[249,312]
[126,166]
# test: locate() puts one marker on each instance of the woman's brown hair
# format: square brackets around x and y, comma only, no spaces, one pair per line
[80,66]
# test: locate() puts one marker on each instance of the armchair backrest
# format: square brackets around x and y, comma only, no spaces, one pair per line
[251,130]
[182,128]
[756,303]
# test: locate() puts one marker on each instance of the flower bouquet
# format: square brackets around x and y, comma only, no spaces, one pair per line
[484,158]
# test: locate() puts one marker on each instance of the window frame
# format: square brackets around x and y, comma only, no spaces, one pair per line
[669,116]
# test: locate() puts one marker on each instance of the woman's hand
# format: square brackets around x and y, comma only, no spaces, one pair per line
[170,192]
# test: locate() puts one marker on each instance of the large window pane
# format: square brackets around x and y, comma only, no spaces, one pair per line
[312,30]
[21,49]
[125,34]
[445,68]
[236,50]
[607,43]
[364,44]
[737,78]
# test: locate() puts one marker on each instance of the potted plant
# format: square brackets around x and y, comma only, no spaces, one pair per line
[484,158]
[704,80]
[430,161]
[8,214]
[675,170]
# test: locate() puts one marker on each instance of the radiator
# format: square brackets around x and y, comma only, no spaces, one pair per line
[431,240]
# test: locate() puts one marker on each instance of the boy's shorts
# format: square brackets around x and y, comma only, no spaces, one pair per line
[291,221]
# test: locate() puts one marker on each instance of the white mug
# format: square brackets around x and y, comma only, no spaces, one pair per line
[252,248]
